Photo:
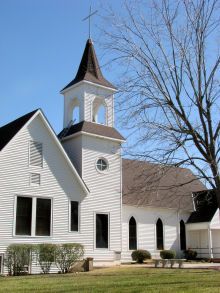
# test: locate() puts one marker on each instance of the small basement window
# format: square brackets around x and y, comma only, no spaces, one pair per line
[36,154]
[102,165]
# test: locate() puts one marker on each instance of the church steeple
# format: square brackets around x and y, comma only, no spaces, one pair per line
[89,69]
[89,96]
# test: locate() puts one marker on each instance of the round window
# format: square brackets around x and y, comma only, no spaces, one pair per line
[102,165]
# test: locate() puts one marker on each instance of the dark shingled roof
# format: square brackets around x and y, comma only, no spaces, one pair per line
[89,69]
[147,184]
[8,131]
[206,206]
[93,128]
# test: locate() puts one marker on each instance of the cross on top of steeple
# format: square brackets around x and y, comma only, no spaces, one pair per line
[89,18]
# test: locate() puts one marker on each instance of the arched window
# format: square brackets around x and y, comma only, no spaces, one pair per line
[159,234]
[182,235]
[75,117]
[132,234]
[99,111]
[101,115]
[74,108]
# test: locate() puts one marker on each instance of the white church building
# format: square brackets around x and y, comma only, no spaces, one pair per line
[76,187]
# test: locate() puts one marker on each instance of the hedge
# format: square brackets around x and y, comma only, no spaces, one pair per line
[168,254]
[140,255]
[18,256]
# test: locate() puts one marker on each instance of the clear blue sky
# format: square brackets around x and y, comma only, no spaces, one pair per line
[41,45]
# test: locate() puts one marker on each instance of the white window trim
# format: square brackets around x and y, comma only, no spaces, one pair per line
[97,169]
[79,213]
[181,219]
[137,232]
[29,155]
[33,217]
[155,235]
[102,213]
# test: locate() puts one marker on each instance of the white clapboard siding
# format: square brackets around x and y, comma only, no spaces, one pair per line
[105,190]
[146,218]
[73,148]
[58,182]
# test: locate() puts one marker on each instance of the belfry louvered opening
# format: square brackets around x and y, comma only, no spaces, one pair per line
[36,154]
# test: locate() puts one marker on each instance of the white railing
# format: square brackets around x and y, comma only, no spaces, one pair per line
[206,252]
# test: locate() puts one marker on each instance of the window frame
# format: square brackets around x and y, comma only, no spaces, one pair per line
[107,164]
[33,217]
[163,226]
[180,239]
[29,155]
[35,227]
[79,211]
[129,233]
[102,213]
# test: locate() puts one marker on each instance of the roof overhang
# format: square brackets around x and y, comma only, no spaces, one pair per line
[197,226]
[155,207]
[92,135]
[64,91]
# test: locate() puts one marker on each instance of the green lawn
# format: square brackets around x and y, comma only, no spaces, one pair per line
[117,280]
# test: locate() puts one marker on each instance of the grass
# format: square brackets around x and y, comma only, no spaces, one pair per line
[119,279]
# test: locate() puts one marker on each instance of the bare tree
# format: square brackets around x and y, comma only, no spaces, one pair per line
[170,86]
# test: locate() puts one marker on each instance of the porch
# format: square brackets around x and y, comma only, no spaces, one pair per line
[204,239]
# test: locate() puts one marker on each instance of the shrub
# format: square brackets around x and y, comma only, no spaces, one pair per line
[140,255]
[167,254]
[17,257]
[45,256]
[190,254]
[67,255]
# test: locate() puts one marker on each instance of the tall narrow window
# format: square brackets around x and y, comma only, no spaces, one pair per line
[132,234]
[1,263]
[74,216]
[101,231]
[159,234]
[182,235]
[36,154]
[43,217]
[23,215]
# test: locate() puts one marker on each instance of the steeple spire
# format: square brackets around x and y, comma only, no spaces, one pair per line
[89,69]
